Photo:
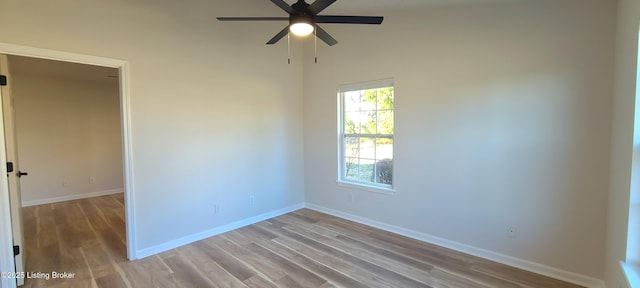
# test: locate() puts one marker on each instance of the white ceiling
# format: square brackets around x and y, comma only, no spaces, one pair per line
[52,68]
[388,5]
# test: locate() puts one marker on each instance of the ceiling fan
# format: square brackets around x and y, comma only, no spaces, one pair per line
[303,20]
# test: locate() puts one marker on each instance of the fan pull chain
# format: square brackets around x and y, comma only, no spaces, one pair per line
[288,48]
[315,43]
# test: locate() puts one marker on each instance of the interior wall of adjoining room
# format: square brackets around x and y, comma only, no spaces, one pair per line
[503,119]
[69,131]
[216,115]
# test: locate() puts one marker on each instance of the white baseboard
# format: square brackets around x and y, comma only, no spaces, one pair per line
[213,232]
[71,197]
[475,251]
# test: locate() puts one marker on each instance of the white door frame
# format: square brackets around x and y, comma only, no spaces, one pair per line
[6,261]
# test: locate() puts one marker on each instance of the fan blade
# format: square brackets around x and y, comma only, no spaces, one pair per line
[284,6]
[279,36]
[253,18]
[349,19]
[320,5]
[324,36]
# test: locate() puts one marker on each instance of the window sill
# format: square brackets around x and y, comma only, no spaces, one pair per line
[365,187]
[632,273]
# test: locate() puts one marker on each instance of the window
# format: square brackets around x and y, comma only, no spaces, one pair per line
[366,134]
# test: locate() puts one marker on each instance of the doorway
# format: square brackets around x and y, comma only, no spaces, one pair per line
[121,67]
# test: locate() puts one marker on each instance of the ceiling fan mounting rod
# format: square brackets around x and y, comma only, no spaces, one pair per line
[301,7]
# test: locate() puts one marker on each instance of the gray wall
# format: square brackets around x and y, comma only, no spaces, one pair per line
[216,116]
[503,118]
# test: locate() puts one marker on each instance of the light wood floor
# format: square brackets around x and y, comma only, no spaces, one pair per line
[300,249]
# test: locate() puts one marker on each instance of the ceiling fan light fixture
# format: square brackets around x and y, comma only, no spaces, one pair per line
[301,26]
[301,29]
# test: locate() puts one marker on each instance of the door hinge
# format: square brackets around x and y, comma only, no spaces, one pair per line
[16,250]
[3,80]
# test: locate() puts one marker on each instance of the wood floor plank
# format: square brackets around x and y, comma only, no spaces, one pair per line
[301,217]
[259,282]
[92,215]
[186,274]
[210,269]
[46,226]
[327,272]
[297,274]
[29,218]
[287,281]
[150,271]
[407,266]
[448,261]
[333,276]
[226,261]
[238,237]
[304,248]
[446,279]
[80,283]
[111,281]
[434,258]
[248,258]
[328,261]
[98,260]
[376,276]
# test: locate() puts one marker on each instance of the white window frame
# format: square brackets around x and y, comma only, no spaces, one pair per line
[342,181]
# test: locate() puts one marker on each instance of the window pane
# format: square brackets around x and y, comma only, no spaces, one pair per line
[367,148]
[352,122]
[359,169]
[366,159]
[385,122]
[366,170]
[385,98]
[351,101]
[352,146]
[384,148]
[383,168]
[384,171]
[368,122]
[351,169]
[369,100]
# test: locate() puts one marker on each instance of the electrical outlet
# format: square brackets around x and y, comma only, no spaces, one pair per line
[92,180]
[512,231]
[216,208]
[65,183]
[252,199]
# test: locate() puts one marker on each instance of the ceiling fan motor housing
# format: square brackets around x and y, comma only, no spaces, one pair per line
[302,18]
[302,14]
